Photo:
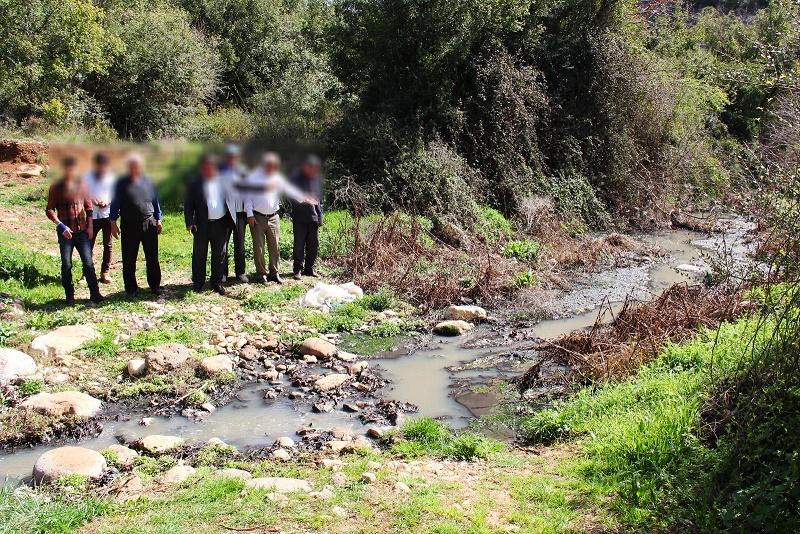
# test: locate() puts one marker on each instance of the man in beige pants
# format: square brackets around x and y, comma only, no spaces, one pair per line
[264,188]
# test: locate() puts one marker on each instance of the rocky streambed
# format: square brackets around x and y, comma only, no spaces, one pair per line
[324,398]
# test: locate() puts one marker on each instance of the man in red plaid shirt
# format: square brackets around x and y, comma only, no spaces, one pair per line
[69,206]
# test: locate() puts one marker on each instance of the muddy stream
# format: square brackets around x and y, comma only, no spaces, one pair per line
[440,379]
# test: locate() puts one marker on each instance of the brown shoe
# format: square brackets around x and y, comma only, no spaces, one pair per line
[297,276]
[104,278]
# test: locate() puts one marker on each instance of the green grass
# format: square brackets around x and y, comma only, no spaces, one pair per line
[522,250]
[426,436]
[48,514]
[275,299]
[184,334]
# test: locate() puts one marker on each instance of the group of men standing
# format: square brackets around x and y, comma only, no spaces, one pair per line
[221,202]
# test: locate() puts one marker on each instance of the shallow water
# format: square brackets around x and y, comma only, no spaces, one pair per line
[424,377]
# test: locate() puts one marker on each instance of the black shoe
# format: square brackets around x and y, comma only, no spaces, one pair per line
[197,288]
[217,288]
[97,298]
[133,294]
[70,301]
[158,291]
[277,279]
[263,280]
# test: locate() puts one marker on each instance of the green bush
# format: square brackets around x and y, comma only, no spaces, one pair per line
[273,300]
[522,250]
[428,436]
[526,279]
[383,299]
[7,332]
[492,225]
[27,267]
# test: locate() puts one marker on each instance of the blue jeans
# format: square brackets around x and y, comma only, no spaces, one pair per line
[81,242]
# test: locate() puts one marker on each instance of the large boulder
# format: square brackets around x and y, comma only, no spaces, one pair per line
[63,403]
[15,364]
[156,444]
[465,313]
[68,461]
[279,484]
[61,341]
[322,349]
[330,382]
[167,358]
[452,328]
[216,365]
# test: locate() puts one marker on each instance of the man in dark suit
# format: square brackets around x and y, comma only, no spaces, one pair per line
[307,217]
[208,218]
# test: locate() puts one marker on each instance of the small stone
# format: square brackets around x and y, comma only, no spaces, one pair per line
[401,487]
[308,358]
[339,511]
[281,455]
[147,421]
[207,406]
[285,442]
[166,358]
[375,433]
[330,382]
[279,484]
[322,349]
[369,478]
[216,442]
[373,466]
[137,368]
[465,313]
[343,433]
[177,474]
[452,328]
[358,368]
[125,455]
[349,407]
[57,378]
[215,365]
[339,479]
[325,495]
[332,464]
[361,443]
[156,444]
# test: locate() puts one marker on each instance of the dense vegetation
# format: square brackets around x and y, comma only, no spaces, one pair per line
[612,109]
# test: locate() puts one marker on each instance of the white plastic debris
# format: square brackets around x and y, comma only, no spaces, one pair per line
[327,295]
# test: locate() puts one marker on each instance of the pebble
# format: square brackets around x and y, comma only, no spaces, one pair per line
[339,479]
[373,466]
[285,442]
[402,487]
[375,433]
[369,478]
[282,455]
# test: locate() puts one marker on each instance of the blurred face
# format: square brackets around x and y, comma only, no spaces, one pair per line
[135,168]
[231,159]
[309,170]
[70,171]
[102,168]
[270,166]
[208,169]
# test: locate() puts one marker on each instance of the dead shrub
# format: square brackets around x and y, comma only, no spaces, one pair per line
[638,333]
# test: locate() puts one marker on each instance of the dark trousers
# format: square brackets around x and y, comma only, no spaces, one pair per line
[239,231]
[79,241]
[134,234]
[306,246]
[215,234]
[103,225]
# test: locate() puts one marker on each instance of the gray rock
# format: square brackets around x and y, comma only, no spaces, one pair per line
[465,313]
[358,368]
[125,456]
[279,484]
[177,474]
[452,328]
[369,478]
[15,364]
[68,461]
[137,368]
[321,348]
[167,358]
[216,365]
[233,473]
[157,444]
[61,341]
[63,403]
[330,382]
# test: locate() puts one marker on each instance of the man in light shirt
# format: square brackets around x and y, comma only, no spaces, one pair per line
[234,174]
[209,220]
[100,182]
[265,186]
